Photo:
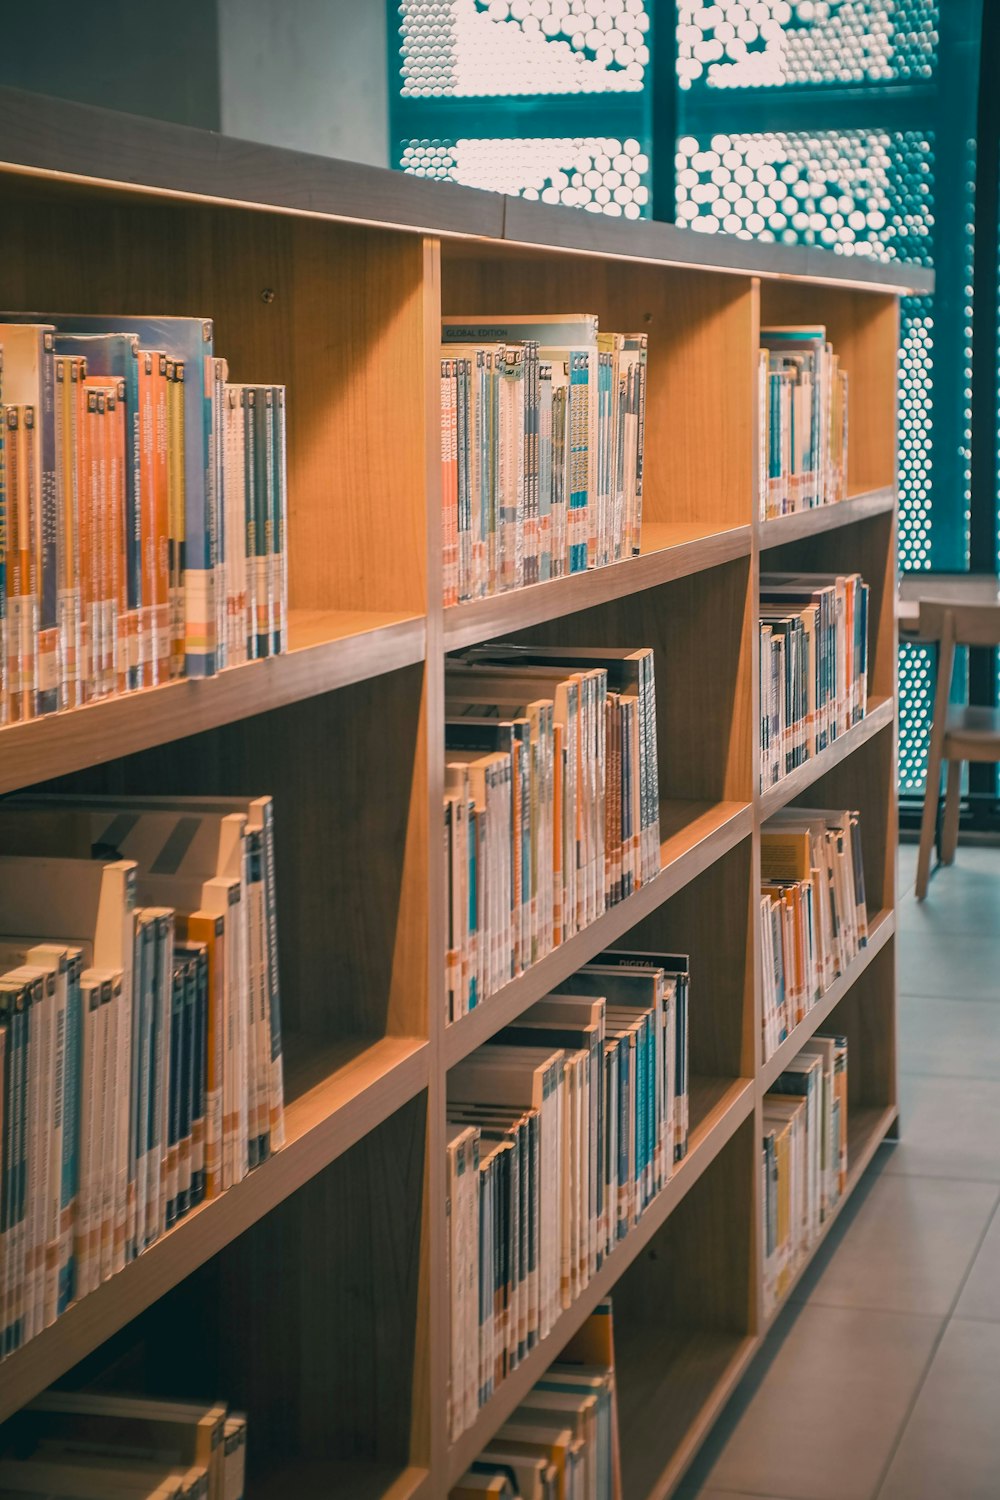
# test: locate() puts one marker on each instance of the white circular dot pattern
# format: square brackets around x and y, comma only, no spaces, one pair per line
[600,174]
[499,48]
[743,44]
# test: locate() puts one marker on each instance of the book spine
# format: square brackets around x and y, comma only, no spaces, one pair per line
[70,1159]
[201,527]
[176,485]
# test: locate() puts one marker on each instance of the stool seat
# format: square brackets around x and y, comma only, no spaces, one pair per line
[972,732]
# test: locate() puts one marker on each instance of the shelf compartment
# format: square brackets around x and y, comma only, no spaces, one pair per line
[683,1322]
[670,549]
[867,1128]
[693,836]
[880,929]
[880,715]
[336,1095]
[683,1390]
[718,1107]
[779,530]
[328,649]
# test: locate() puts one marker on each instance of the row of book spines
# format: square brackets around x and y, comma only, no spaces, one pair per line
[562,1441]
[803,430]
[814,915]
[540,475]
[631,1124]
[72,573]
[813,664]
[804,1157]
[581,816]
[123,1170]
[542,896]
[99,1446]
[65,1069]
[180,614]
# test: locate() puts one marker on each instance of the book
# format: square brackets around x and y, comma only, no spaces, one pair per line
[141,1031]
[813,665]
[542,438]
[562,1440]
[803,1158]
[803,420]
[129,545]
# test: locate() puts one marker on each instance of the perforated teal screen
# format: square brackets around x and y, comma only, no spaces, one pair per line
[601,174]
[846,124]
[774,43]
[483,48]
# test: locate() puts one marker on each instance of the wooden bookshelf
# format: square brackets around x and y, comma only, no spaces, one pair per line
[316,1289]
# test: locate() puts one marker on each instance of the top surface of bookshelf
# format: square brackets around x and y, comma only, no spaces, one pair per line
[57,139]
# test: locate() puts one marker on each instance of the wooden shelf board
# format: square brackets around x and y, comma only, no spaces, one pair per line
[336,1094]
[880,929]
[669,1395]
[781,529]
[718,1106]
[881,712]
[319,1479]
[328,649]
[867,1126]
[693,836]
[669,550]
[102,150]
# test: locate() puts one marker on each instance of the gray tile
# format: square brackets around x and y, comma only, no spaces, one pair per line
[821,1419]
[965,970]
[905,1248]
[981,1293]
[959,902]
[958,1041]
[951,1444]
[949,1127]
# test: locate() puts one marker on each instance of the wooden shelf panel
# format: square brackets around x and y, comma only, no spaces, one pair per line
[337,1094]
[880,715]
[693,836]
[867,1127]
[328,649]
[670,549]
[668,1400]
[718,1107]
[320,1479]
[880,930]
[781,529]
[102,150]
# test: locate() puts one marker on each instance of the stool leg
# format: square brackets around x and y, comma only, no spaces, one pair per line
[932,793]
[949,835]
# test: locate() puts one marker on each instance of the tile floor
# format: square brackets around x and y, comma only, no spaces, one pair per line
[881,1379]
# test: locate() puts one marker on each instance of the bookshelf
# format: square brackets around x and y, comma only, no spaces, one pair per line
[315,1291]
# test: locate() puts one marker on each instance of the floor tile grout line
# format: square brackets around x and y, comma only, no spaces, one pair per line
[945,1325]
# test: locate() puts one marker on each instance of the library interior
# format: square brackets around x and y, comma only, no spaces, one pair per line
[500,650]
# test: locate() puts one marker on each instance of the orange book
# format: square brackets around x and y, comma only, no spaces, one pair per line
[154,515]
[22,604]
